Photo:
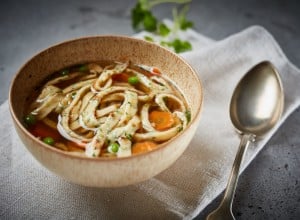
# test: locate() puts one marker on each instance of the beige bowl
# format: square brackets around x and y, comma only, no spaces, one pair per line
[104,172]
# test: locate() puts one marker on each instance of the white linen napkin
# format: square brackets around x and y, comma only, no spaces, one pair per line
[28,190]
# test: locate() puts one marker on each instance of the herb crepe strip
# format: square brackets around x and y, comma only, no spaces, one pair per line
[107,109]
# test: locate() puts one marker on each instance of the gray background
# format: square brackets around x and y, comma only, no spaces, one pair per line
[269,188]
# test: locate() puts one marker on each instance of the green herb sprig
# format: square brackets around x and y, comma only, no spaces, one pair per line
[143,19]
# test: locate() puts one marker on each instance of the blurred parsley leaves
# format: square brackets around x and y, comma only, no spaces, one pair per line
[143,19]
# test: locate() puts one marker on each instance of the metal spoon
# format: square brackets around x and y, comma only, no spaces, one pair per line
[256,105]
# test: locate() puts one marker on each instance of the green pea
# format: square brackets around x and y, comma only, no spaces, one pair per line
[188,115]
[48,140]
[83,68]
[114,147]
[133,80]
[73,95]
[29,120]
[64,72]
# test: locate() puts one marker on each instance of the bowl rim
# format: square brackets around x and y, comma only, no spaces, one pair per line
[103,159]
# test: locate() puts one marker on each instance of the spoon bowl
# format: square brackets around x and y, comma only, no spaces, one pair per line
[257,101]
[256,106]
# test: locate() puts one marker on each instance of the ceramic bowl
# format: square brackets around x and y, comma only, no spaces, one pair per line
[105,172]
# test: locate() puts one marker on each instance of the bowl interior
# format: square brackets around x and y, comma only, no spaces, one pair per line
[115,48]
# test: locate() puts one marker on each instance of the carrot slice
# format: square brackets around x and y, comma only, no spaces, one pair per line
[142,147]
[42,130]
[156,71]
[161,120]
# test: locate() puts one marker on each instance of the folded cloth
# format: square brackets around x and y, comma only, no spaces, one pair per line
[30,191]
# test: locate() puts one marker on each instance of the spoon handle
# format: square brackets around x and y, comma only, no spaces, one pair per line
[233,179]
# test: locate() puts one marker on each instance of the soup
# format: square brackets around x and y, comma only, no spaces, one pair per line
[107,109]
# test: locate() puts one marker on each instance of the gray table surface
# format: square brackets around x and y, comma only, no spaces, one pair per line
[270,187]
